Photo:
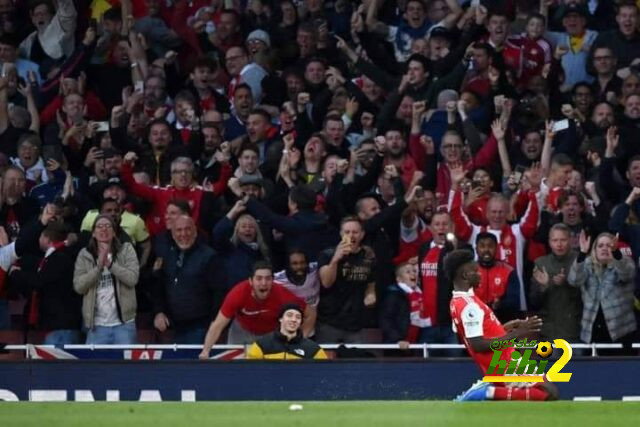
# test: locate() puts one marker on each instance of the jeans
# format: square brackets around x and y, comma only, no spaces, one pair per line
[5,315]
[240,336]
[61,337]
[119,334]
[192,335]
[440,335]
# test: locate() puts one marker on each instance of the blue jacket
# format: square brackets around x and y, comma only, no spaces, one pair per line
[236,261]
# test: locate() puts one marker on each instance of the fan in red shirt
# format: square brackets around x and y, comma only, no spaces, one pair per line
[254,304]
[477,327]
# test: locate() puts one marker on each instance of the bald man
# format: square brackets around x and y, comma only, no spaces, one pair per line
[184,298]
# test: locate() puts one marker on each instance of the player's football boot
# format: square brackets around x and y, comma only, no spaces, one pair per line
[476,392]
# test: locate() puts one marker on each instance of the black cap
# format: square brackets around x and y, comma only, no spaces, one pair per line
[575,8]
[290,306]
[250,180]
[114,181]
[110,152]
[441,32]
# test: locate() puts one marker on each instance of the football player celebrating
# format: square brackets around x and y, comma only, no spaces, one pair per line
[477,327]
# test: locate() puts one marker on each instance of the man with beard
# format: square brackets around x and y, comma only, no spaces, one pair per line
[414,227]
[253,305]
[302,279]
[499,286]
[602,117]
[155,95]
[210,160]
[347,274]
[628,127]
[242,104]
[396,154]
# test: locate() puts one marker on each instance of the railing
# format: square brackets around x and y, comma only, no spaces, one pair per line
[175,347]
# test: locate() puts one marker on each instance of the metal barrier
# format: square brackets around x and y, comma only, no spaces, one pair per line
[175,347]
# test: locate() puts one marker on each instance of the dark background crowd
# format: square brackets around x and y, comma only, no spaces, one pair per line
[175,169]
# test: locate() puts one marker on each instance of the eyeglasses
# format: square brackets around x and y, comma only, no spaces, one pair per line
[104,226]
[182,172]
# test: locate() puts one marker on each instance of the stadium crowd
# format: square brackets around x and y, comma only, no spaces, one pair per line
[191,166]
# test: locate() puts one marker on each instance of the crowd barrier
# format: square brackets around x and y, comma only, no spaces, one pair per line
[223,351]
[161,378]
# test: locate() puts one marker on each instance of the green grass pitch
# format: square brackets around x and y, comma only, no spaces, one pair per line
[329,414]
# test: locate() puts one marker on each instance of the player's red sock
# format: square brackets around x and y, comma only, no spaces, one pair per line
[510,393]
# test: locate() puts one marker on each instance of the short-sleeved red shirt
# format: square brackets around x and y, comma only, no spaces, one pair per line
[257,317]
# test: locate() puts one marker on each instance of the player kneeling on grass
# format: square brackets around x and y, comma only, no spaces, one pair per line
[286,342]
[477,327]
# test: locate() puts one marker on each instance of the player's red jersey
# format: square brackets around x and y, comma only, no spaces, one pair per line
[472,318]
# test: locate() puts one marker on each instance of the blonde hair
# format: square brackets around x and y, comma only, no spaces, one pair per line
[262,246]
[597,265]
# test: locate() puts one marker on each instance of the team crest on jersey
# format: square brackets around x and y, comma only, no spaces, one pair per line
[507,240]
[497,280]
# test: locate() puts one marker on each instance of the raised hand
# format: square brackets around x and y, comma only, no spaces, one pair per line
[585,242]
[633,196]
[351,107]
[130,158]
[548,130]
[498,130]
[457,174]
[342,166]
[427,143]
[391,172]
[612,141]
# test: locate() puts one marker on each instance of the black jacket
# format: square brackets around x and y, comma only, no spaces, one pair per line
[185,285]
[59,305]
[308,230]
[395,315]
